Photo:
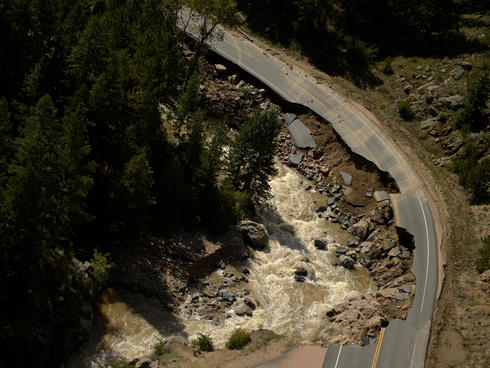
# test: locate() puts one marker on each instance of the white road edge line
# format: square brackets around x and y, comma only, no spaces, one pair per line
[338,357]
[428,255]
[414,348]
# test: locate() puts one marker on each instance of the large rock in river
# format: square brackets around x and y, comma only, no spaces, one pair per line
[361,229]
[346,262]
[254,234]
[243,309]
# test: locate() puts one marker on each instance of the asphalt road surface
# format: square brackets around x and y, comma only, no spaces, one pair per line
[403,344]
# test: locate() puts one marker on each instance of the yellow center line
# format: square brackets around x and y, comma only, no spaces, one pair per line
[378,348]
[397,213]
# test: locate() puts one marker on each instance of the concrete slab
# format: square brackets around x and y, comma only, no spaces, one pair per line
[288,117]
[381,195]
[346,177]
[301,134]
[296,159]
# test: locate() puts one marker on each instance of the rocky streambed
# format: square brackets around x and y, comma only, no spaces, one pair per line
[321,262]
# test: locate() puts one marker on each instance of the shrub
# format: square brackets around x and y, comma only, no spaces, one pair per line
[101,265]
[473,174]
[473,115]
[238,339]
[405,110]
[358,55]
[159,348]
[203,342]
[423,134]
[386,66]
[124,364]
[483,258]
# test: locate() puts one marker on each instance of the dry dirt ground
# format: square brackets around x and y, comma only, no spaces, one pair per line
[461,326]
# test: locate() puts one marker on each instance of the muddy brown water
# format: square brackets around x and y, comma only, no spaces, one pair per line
[285,306]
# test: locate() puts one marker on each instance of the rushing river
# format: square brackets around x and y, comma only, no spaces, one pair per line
[285,306]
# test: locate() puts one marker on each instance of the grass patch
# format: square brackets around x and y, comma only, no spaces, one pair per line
[238,339]
[203,342]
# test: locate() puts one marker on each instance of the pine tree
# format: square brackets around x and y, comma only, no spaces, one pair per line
[251,158]
[137,187]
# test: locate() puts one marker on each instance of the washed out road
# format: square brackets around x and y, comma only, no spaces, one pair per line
[403,344]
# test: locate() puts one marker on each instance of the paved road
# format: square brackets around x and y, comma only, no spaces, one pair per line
[402,343]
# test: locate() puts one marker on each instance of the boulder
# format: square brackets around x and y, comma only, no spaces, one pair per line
[395,252]
[220,68]
[250,303]
[365,260]
[320,244]
[451,102]
[406,289]
[254,234]
[457,72]
[401,296]
[143,362]
[352,254]
[176,339]
[465,65]
[352,243]
[343,218]
[229,296]
[332,312]
[243,309]
[341,250]
[299,278]
[453,143]
[361,229]
[301,271]
[346,262]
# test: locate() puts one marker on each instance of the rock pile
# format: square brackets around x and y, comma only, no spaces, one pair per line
[220,299]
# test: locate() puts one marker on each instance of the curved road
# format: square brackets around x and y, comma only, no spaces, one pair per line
[403,344]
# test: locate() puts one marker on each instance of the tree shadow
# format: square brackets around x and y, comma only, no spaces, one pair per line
[282,230]
[127,314]
[450,44]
